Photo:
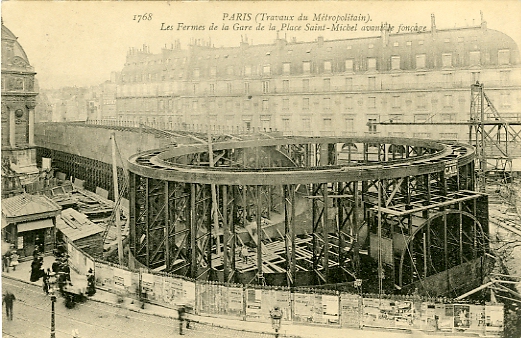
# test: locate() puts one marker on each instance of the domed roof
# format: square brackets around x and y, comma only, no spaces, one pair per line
[13,55]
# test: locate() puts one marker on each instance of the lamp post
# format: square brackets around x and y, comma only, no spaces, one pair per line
[53,300]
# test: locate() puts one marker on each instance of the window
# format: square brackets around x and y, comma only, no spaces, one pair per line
[420,61]
[349,102]
[229,105]
[285,104]
[196,73]
[420,42]
[371,102]
[461,39]
[448,117]
[371,63]
[446,60]
[213,71]
[247,70]
[504,77]
[420,79]
[421,101]
[422,135]
[475,76]
[370,46]
[447,78]
[447,101]
[327,84]
[397,101]
[229,87]
[396,81]
[305,85]
[229,70]
[475,58]
[306,123]
[285,124]
[327,123]
[286,68]
[371,82]
[420,118]
[327,103]
[265,105]
[305,103]
[246,104]
[503,57]
[327,66]
[409,43]
[266,70]
[371,124]
[349,83]
[395,117]
[350,124]
[285,86]
[194,105]
[349,65]
[306,67]
[265,87]
[449,136]
[505,99]
[246,87]
[396,44]
[395,62]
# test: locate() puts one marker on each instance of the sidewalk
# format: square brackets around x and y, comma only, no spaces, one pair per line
[23,271]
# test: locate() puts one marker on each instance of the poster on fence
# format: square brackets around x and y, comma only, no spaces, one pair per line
[388,313]
[330,309]
[122,279]
[235,300]
[461,317]
[172,290]
[349,310]
[494,318]
[189,293]
[147,284]
[477,318]
[253,303]
[104,275]
[428,317]
[303,307]
[445,313]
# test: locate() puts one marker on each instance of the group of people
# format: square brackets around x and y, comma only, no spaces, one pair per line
[10,259]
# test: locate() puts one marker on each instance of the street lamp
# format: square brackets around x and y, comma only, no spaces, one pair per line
[53,300]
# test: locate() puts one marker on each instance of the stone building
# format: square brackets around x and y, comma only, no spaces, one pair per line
[325,87]
[18,104]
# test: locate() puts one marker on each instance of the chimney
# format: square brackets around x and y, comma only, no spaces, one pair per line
[320,41]
[483,22]
[433,25]
[385,37]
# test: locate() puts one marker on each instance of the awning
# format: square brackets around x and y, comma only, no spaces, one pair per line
[35,225]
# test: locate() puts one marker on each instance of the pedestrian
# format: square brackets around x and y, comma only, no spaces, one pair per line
[46,281]
[5,262]
[36,269]
[181,312]
[91,283]
[14,260]
[8,299]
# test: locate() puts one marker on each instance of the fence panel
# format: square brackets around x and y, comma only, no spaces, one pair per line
[104,275]
[350,308]
[123,281]
[220,300]
[259,303]
[78,260]
[388,313]
[494,319]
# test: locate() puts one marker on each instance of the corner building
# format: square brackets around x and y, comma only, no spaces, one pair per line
[325,88]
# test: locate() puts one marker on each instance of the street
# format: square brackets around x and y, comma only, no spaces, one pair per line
[32,318]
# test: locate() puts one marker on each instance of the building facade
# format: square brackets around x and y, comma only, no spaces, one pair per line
[18,104]
[337,87]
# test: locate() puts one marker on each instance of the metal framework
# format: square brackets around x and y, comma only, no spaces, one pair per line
[307,211]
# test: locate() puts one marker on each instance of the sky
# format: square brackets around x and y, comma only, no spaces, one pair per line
[80,43]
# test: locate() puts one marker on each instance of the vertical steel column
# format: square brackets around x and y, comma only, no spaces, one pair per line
[167,226]
[325,233]
[193,233]
[146,222]
[289,232]
[258,203]
[132,213]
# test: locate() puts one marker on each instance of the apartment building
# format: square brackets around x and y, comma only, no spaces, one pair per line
[326,87]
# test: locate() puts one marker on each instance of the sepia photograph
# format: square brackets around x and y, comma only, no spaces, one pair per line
[297,169]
